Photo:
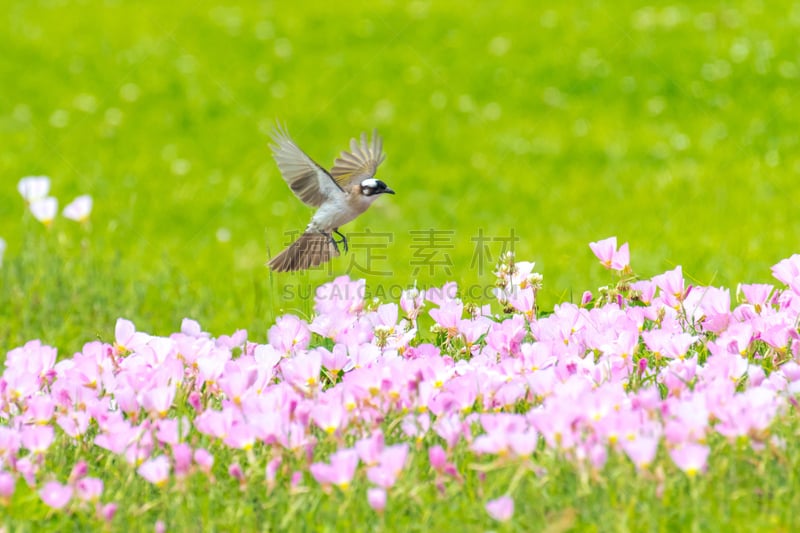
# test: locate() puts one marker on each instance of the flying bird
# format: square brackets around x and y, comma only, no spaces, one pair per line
[340,195]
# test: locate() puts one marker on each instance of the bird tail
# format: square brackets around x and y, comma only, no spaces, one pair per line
[309,250]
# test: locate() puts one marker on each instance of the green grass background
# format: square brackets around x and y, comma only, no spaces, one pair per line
[671,126]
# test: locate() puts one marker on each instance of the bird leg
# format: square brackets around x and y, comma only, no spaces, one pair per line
[334,242]
[342,242]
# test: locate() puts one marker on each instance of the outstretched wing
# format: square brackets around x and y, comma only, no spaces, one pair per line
[360,162]
[309,181]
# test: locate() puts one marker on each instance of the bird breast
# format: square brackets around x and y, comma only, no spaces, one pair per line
[338,211]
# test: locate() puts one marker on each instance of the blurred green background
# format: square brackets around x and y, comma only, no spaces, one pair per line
[672,126]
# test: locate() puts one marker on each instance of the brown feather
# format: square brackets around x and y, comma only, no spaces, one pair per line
[308,181]
[361,162]
[309,250]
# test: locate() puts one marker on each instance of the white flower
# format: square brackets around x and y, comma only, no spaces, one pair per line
[79,209]
[45,210]
[33,188]
[2,250]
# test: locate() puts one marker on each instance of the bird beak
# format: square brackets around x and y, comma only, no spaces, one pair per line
[388,191]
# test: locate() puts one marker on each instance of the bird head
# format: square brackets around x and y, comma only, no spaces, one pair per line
[374,187]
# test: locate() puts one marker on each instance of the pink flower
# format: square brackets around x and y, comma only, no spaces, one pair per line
[236,472]
[302,370]
[501,509]
[756,294]
[641,450]
[107,511]
[34,360]
[341,295]
[7,485]
[55,495]
[241,436]
[74,423]
[450,428]
[332,414]
[606,251]
[170,430]
[440,295]
[40,409]
[336,326]
[586,298]
[211,365]
[370,448]
[218,423]
[182,455]
[195,400]
[156,470]
[667,344]
[787,270]
[204,460]
[236,380]
[437,457]
[158,400]
[384,317]
[448,315]
[79,471]
[79,209]
[390,465]
[672,286]
[289,334]
[523,300]
[271,471]
[192,328]
[505,434]
[116,436]
[691,458]
[27,469]
[127,338]
[339,472]
[37,438]
[266,356]
[89,489]
[411,302]
[505,337]
[336,360]
[295,480]
[712,305]
[376,497]
[646,289]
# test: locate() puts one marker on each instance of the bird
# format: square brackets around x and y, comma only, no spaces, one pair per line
[340,195]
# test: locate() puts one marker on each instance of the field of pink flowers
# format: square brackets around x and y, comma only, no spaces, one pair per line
[356,415]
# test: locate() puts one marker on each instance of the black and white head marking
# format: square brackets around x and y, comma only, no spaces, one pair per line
[372,186]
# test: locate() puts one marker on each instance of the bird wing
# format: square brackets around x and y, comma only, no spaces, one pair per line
[308,181]
[361,162]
